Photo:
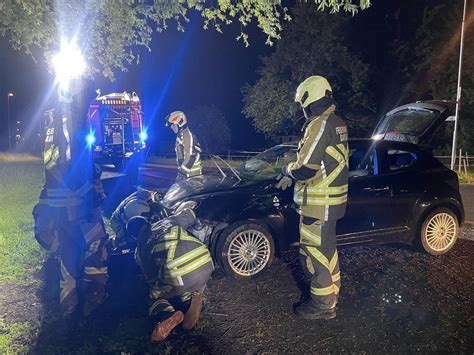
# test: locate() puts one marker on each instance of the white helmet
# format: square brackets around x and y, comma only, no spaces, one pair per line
[177,118]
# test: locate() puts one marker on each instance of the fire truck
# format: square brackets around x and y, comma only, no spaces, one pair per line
[116,129]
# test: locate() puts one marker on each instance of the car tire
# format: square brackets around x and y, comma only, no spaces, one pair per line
[439,231]
[245,250]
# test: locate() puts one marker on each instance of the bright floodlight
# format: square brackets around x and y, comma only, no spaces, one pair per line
[68,63]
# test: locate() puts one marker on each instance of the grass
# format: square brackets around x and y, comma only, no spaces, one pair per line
[10,334]
[466,178]
[20,254]
[18,158]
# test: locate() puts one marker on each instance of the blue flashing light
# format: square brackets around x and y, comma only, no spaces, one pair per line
[143,136]
[90,139]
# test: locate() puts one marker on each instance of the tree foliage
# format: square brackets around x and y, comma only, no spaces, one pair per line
[430,61]
[110,32]
[311,44]
[210,126]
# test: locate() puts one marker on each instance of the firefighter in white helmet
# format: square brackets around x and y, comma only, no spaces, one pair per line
[321,174]
[188,150]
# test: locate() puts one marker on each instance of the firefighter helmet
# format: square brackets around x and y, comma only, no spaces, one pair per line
[312,89]
[177,118]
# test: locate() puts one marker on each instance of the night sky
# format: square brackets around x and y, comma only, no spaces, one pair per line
[183,70]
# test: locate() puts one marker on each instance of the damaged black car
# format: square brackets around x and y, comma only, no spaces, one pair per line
[398,192]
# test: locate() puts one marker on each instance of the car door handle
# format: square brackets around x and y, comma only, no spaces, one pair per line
[377,189]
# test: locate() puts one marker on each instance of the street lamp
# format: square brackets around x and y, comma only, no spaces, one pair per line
[10,94]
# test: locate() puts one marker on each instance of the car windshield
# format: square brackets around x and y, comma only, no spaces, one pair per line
[409,121]
[268,164]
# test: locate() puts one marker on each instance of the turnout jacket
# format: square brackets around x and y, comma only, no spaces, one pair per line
[71,176]
[188,153]
[174,261]
[321,168]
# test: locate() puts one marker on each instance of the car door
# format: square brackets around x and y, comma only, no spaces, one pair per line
[400,170]
[368,191]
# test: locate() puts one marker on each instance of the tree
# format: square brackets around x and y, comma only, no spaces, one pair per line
[430,62]
[210,126]
[313,43]
[110,32]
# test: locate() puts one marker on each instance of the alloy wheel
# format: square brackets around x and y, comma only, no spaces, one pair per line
[249,252]
[440,232]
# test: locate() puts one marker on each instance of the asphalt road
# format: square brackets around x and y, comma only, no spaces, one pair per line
[157,176]
[467,193]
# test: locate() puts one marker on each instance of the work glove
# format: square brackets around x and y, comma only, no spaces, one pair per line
[283,182]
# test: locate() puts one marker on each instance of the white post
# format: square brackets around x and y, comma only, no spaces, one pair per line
[9,123]
[460,160]
[458,94]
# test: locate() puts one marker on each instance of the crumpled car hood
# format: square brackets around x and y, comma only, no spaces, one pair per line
[204,184]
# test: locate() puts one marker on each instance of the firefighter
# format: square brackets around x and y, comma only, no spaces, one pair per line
[320,173]
[139,203]
[188,150]
[177,266]
[68,218]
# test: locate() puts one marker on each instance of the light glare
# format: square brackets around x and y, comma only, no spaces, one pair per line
[90,139]
[143,136]
[68,63]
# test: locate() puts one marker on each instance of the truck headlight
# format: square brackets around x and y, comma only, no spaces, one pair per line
[90,139]
[143,136]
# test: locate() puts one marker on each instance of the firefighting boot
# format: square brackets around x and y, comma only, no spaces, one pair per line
[193,313]
[163,329]
[307,310]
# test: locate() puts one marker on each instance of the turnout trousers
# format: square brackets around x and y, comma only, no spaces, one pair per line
[81,247]
[319,260]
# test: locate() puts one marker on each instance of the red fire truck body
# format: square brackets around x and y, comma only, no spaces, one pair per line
[116,128]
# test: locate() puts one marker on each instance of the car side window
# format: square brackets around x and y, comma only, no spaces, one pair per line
[400,159]
[362,162]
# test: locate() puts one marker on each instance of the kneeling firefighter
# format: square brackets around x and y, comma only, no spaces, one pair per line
[68,217]
[321,175]
[177,266]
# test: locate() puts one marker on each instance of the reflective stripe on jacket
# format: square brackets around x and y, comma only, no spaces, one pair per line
[68,179]
[174,258]
[188,153]
[321,168]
